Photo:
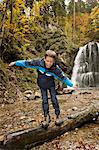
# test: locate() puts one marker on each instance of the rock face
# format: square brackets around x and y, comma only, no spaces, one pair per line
[86,66]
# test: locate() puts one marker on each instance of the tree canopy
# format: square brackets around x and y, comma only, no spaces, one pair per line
[24,20]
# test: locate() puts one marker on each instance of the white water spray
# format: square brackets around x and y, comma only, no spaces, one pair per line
[86,66]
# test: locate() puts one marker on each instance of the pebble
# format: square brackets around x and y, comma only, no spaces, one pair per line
[2,105]
[22,117]
[74,108]
[66,133]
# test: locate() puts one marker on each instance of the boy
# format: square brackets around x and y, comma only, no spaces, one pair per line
[47,71]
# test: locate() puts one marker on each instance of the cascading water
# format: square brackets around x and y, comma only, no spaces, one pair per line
[86,66]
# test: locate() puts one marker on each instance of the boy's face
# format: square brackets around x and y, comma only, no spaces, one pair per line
[49,61]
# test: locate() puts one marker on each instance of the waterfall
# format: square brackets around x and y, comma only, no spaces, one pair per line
[86,66]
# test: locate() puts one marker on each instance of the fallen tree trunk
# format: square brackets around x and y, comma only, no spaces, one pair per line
[29,138]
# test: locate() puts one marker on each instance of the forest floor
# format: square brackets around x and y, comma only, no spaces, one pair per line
[23,114]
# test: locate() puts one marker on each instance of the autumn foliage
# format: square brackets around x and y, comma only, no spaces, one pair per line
[20,20]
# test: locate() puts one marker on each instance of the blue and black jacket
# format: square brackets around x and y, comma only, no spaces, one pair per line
[45,76]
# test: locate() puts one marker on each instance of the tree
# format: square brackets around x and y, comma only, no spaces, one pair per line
[12,39]
[81,6]
[2,22]
[59,8]
[29,3]
[93,24]
[90,4]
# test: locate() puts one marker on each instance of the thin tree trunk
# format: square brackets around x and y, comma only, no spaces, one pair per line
[74,21]
[2,22]
[11,8]
[29,138]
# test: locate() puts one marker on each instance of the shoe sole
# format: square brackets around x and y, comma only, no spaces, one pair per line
[46,125]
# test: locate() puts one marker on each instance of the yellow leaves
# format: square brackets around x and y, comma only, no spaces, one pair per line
[95,13]
[83,22]
[15,46]
[94,19]
[42,3]
[10,26]
[19,4]
[27,45]
[27,42]
[23,19]
[26,26]
[36,8]
[2,7]
[19,35]
[68,27]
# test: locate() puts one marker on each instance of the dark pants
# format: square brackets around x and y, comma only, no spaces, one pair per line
[54,100]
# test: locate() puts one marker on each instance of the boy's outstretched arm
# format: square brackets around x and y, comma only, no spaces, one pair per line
[67,81]
[25,63]
[18,63]
[58,72]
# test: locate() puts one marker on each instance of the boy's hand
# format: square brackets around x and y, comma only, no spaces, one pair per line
[12,64]
[69,89]
[75,87]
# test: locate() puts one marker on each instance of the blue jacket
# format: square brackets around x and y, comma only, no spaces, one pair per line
[45,76]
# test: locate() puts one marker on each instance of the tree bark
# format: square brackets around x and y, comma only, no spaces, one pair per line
[2,23]
[29,138]
[11,9]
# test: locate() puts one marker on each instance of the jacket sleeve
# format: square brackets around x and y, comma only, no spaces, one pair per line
[28,63]
[60,75]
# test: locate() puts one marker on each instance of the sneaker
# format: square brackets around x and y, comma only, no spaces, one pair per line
[58,121]
[46,122]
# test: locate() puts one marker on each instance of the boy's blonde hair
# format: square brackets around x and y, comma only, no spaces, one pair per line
[50,53]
